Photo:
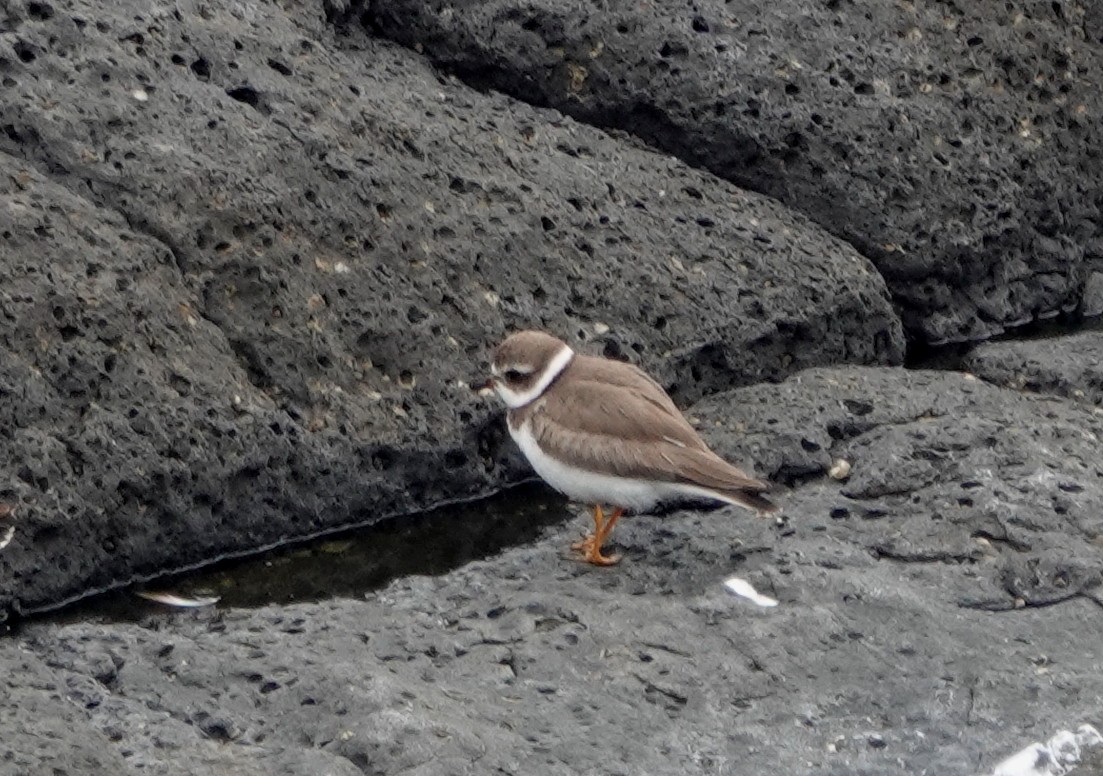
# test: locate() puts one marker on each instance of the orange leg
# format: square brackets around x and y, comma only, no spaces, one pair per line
[591,545]
[588,539]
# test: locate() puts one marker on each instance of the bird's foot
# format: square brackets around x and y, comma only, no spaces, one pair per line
[591,552]
[583,543]
[590,545]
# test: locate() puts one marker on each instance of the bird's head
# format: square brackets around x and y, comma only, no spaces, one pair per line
[525,364]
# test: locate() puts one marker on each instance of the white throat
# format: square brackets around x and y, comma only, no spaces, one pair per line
[515,399]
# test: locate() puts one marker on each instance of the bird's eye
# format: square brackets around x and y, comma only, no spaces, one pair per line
[514,375]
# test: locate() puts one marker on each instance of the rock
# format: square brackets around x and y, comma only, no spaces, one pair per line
[249,270]
[1061,754]
[1069,366]
[1092,305]
[944,464]
[956,147]
[44,723]
[64,716]
[962,578]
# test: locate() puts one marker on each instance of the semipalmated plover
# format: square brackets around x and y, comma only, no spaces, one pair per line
[603,432]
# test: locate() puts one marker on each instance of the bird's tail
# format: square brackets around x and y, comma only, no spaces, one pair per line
[709,474]
[749,500]
[742,497]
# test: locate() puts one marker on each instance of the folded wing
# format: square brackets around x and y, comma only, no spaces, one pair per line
[630,428]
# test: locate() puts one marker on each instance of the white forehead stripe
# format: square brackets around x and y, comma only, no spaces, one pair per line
[515,399]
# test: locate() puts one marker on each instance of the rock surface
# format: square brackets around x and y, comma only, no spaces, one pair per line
[1070,366]
[247,268]
[955,144]
[937,612]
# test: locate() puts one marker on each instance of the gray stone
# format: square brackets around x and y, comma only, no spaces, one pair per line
[248,269]
[936,610]
[69,715]
[43,728]
[955,145]
[943,468]
[1069,366]
[1092,305]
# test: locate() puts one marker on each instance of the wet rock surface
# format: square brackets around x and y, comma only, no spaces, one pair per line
[249,268]
[935,613]
[956,145]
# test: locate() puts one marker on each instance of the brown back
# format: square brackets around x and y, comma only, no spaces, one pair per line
[612,418]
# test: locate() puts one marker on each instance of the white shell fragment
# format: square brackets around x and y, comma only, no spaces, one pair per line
[745,589]
[7,530]
[840,469]
[1056,757]
[171,599]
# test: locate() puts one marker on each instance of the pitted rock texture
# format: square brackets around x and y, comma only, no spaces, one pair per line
[958,471]
[1092,304]
[249,270]
[1069,366]
[937,612]
[955,144]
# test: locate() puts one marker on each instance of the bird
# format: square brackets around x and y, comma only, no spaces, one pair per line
[604,433]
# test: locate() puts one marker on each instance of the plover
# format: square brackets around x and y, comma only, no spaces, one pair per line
[605,433]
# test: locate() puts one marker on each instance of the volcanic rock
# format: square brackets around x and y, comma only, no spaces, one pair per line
[250,269]
[1069,366]
[953,575]
[956,145]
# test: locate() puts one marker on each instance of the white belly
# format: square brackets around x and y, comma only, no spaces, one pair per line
[592,488]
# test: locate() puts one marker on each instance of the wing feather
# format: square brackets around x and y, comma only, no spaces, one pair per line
[629,427]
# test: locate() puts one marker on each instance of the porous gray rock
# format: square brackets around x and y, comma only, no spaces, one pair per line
[1070,366]
[1092,304]
[953,575]
[249,268]
[951,469]
[956,145]
[41,729]
[62,714]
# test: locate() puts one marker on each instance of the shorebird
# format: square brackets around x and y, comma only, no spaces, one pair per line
[603,432]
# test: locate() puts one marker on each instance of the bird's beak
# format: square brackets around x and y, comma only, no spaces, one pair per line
[486,385]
